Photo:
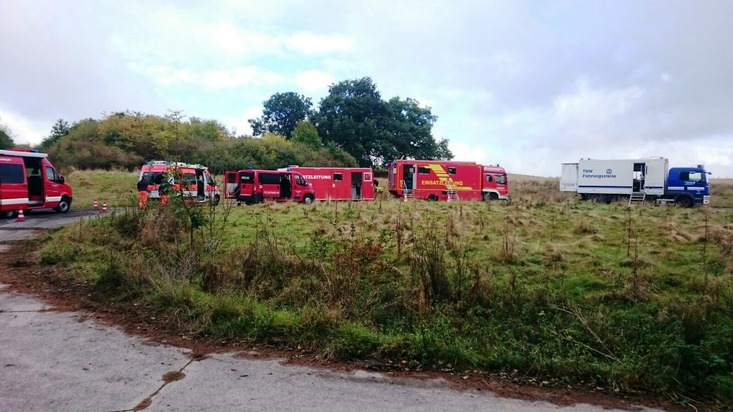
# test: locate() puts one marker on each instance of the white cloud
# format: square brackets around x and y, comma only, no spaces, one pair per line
[165,75]
[240,77]
[239,124]
[237,78]
[23,130]
[469,152]
[311,43]
[232,40]
[595,107]
[209,79]
[313,81]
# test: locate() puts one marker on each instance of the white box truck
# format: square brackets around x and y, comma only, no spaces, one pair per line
[642,179]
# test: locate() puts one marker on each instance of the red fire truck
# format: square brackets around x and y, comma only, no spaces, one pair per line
[255,186]
[495,185]
[29,181]
[192,180]
[446,180]
[338,183]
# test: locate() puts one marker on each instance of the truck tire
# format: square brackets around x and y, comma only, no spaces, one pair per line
[64,205]
[308,199]
[684,201]
[8,214]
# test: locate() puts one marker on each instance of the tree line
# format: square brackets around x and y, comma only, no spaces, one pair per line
[352,126]
[354,117]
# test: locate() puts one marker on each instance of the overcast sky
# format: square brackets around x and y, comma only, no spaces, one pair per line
[526,84]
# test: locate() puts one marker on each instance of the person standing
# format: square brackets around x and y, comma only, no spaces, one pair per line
[164,189]
[142,193]
[285,191]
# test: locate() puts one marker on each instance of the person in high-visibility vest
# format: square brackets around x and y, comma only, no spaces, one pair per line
[163,189]
[142,193]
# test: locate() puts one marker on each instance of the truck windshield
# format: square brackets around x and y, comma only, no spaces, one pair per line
[187,178]
[151,176]
[692,176]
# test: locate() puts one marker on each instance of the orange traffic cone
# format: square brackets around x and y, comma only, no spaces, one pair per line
[21,216]
[104,207]
[96,206]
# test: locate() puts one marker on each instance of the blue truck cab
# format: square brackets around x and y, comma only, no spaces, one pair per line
[688,186]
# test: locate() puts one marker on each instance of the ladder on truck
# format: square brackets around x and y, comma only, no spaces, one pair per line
[407,192]
[451,192]
[637,197]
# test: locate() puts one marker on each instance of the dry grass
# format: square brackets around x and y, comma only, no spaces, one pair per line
[477,283]
[721,192]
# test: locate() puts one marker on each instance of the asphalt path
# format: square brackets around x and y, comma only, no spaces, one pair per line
[59,361]
[39,220]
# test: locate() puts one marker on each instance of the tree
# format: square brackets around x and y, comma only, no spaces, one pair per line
[6,142]
[411,129]
[355,117]
[60,129]
[281,114]
[305,132]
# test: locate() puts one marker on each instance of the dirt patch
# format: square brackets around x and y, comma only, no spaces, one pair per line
[173,376]
[19,268]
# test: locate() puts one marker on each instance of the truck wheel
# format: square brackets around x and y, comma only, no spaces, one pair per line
[683,201]
[8,214]
[64,205]
[308,199]
[434,198]
[493,196]
[215,200]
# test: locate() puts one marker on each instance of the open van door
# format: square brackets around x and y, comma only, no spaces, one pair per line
[13,185]
[569,178]
[231,190]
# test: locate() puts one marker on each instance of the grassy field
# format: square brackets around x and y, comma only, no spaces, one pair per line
[545,286]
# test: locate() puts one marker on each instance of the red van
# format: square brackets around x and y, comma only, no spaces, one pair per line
[29,181]
[255,186]
[338,183]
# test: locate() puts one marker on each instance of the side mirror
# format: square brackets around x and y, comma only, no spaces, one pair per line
[61,180]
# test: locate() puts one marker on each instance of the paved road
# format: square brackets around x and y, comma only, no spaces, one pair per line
[12,229]
[68,362]
[56,361]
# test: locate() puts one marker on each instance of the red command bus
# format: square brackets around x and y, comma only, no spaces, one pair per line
[446,179]
[255,186]
[29,181]
[192,180]
[338,183]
